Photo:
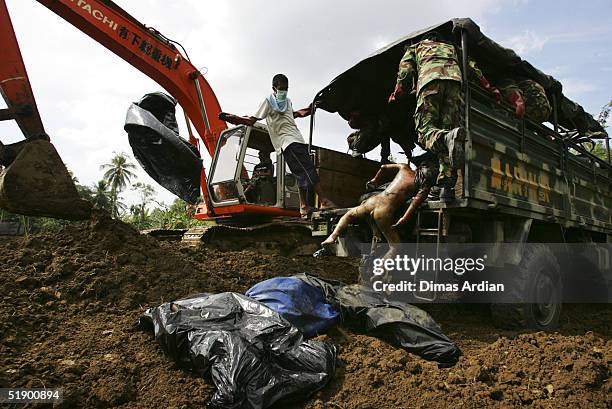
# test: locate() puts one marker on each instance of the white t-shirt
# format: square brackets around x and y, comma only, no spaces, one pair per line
[281,125]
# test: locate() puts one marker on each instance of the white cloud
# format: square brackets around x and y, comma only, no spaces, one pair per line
[575,88]
[527,42]
[557,70]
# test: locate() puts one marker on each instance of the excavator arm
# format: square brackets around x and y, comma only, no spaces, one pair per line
[14,82]
[143,47]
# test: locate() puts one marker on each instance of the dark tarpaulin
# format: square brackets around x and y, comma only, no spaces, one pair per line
[169,159]
[366,86]
[254,356]
[402,325]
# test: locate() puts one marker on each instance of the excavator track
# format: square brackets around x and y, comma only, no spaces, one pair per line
[281,236]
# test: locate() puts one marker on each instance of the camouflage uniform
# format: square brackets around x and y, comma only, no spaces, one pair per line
[475,72]
[375,129]
[537,106]
[366,138]
[438,91]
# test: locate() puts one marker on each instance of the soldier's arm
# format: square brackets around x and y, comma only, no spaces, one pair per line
[482,80]
[407,70]
[405,76]
[475,70]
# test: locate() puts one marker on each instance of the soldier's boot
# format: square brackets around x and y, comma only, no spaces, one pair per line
[444,191]
[454,142]
[447,190]
[434,193]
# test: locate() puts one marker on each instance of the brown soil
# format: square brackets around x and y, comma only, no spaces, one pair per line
[68,302]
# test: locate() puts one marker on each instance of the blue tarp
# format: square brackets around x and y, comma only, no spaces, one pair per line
[301,304]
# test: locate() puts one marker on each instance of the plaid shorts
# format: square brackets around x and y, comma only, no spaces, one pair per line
[299,162]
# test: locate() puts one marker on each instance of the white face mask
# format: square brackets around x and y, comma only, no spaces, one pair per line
[281,95]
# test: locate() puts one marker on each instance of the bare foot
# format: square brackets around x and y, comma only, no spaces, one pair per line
[329,241]
[306,211]
[327,204]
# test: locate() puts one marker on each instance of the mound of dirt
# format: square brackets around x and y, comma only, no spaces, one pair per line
[68,302]
[546,370]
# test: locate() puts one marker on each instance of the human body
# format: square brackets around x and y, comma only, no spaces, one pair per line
[528,98]
[382,207]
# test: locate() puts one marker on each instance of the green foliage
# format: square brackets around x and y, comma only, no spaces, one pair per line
[101,197]
[118,173]
[604,115]
[175,216]
[600,151]
[139,213]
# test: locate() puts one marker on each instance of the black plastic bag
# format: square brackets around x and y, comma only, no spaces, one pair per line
[169,159]
[163,108]
[254,356]
[401,324]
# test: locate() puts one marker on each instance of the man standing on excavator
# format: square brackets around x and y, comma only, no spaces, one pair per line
[278,112]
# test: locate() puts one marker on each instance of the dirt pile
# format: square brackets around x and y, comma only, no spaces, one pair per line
[107,260]
[546,370]
[68,302]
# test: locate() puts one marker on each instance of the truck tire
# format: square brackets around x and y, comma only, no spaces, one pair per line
[539,278]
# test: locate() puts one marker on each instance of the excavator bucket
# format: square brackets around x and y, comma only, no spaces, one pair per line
[35,182]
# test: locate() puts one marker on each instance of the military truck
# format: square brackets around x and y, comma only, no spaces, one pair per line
[526,183]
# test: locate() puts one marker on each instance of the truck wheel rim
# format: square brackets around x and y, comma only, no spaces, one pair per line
[546,299]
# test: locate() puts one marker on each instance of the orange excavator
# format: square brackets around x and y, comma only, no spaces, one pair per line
[34,181]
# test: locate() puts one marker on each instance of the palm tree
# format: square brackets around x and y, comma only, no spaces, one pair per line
[118,174]
[140,211]
[85,192]
[101,198]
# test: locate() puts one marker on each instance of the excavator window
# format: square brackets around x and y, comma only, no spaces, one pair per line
[223,177]
[261,162]
[261,185]
[247,169]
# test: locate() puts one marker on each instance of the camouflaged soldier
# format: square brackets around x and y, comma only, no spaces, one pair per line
[438,89]
[366,137]
[374,130]
[528,98]
[434,62]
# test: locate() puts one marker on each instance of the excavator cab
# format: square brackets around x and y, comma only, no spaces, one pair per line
[248,174]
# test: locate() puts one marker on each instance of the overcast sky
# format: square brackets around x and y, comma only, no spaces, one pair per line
[83,90]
